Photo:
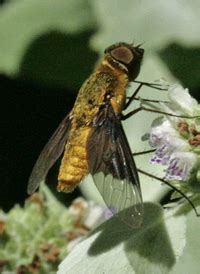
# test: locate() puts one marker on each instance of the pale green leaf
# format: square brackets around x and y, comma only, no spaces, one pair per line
[22,21]
[189,262]
[115,248]
[154,22]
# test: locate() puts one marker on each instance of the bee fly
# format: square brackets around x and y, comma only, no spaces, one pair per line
[93,139]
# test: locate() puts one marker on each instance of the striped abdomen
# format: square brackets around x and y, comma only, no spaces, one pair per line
[74,162]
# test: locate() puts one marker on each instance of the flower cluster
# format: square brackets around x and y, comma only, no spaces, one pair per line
[43,231]
[176,137]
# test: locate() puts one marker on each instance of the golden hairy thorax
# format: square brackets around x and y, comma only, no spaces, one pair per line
[106,82]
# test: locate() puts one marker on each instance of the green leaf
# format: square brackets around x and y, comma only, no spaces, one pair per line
[183,62]
[116,248]
[58,60]
[21,22]
[189,261]
[154,22]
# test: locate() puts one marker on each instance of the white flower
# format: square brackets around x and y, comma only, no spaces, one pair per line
[175,138]
[180,166]
[90,214]
[181,100]
[87,216]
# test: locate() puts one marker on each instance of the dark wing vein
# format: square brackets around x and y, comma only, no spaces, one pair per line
[50,153]
[113,169]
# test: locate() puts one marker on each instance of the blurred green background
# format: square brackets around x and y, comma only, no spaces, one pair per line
[48,48]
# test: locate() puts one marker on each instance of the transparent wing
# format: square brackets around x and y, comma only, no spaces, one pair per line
[113,169]
[50,153]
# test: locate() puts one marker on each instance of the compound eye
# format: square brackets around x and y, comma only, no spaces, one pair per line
[122,54]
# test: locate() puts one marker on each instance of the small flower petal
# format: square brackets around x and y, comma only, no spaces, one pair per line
[180,166]
[176,139]
[159,133]
[181,99]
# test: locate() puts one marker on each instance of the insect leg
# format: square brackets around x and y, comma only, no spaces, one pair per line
[167,113]
[126,116]
[149,100]
[143,152]
[133,96]
[151,85]
[172,187]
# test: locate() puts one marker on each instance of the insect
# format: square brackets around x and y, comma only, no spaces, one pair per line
[93,139]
